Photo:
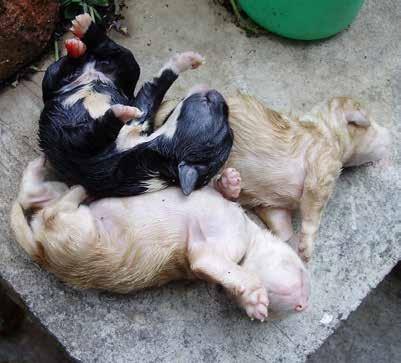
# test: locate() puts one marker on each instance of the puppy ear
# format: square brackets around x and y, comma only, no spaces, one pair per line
[188,177]
[357,117]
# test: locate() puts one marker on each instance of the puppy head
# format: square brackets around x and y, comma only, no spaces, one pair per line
[202,139]
[367,140]
[283,273]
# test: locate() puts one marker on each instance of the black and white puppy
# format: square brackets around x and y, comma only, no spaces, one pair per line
[95,132]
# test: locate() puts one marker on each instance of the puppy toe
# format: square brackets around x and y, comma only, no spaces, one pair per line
[80,25]
[75,48]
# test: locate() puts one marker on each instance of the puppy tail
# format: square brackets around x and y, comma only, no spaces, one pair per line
[23,232]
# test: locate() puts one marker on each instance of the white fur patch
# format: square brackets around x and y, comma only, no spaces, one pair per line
[127,139]
[78,95]
[95,103]
[155,184]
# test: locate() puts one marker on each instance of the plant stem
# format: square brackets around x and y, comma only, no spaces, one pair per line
[85,7]
[117,7]
[236,11]
[56,51]
[92,14]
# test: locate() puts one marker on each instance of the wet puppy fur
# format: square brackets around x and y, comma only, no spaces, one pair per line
[290,163]
[79,123]
[131,243]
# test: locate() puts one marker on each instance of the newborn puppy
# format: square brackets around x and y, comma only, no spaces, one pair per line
[89,97]
[290,163]
[126,244]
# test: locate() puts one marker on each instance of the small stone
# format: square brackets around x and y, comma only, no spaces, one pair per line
[326,319]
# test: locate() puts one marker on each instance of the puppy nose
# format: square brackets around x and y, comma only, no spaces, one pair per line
[301,307]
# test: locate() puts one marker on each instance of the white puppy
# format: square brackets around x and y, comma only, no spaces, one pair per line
[126,244]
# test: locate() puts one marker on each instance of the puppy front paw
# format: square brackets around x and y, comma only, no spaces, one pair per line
[80,25]
[126,113]
[229,183]
[305,249]
[187,60]
[255,303]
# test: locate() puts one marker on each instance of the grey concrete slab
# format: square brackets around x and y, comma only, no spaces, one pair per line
[372,333]
[359,240]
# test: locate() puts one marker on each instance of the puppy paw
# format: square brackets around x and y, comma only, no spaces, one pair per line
[36,168]
[37,164]
[80,25]
[75,48]
[255,303]
[77,193]
[184,61]
[305,251]
[229,183]
[126,113]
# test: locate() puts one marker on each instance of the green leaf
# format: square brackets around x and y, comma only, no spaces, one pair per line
[91,12]
[97,15]
[98,2]
[71,12]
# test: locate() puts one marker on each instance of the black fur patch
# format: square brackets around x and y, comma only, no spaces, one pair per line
[83,149]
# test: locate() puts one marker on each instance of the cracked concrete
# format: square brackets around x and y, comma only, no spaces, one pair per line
[359,240]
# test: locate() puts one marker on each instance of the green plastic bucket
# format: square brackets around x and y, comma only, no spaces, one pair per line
[302,19]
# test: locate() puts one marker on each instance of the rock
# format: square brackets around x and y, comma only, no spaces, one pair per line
[26,27]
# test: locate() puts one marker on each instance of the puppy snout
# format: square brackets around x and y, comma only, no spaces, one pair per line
[301,307]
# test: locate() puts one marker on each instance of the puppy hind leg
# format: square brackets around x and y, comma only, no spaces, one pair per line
[80,25]
[34,191]
[75,48]
[113,58]
[57,73]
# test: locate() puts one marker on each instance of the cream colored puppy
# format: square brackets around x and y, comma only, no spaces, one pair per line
[290,163]
[126,244]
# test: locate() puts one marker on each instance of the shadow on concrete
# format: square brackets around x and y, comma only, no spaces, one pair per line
[372,333]
[22,339]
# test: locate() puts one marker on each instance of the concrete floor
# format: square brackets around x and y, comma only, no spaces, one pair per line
[360,233]
[371,334]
